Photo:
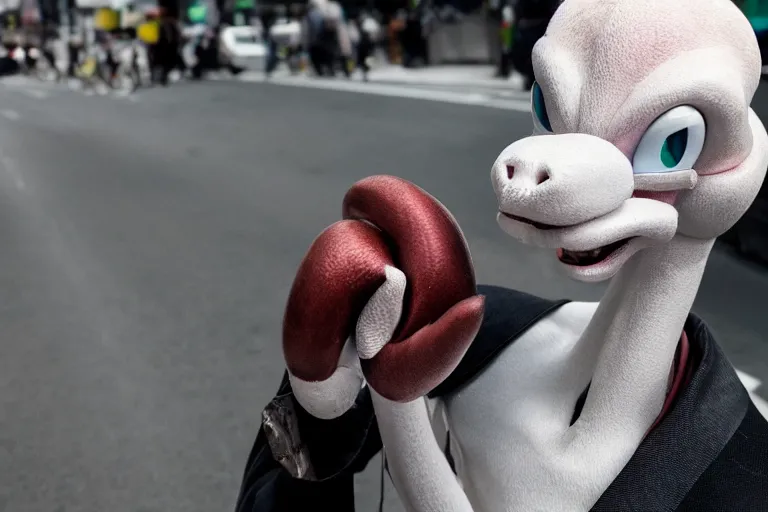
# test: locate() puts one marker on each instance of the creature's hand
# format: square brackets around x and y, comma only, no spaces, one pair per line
[352,284]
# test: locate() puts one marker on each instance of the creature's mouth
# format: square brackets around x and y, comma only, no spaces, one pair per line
[576,258]
[592,257]
[602,254]
[537,225]
[595,250]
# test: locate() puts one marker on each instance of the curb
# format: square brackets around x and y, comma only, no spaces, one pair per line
[506,89]
[505,85]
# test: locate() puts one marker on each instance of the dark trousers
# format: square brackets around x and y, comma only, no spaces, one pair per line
[324,57]
[414,45]
[50,58]
[363,52]
[524,40]
[167,64]
[74,60]
[320,61]
[505,64]
[181,65]
[272,58]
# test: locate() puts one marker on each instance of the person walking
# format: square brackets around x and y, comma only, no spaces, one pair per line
[342,44]
[326,38]
[532,18]
[365,45]
[414,43]
[507,34]
[314,32]
[74,54]
[167,48]
[268,18]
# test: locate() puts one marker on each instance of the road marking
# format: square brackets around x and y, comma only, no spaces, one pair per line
[477,98]
[15,80]
[750,382]
[399,91]
[131,97]
[761,405]
[34,93]
[500,97]
[13,172]
[250,77]
[10,114]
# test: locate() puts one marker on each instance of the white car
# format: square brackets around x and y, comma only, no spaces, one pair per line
[286,33]
[242,48]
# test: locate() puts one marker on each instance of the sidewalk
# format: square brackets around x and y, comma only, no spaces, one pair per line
[475,76]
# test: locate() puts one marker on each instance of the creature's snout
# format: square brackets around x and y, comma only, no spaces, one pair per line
[561,180]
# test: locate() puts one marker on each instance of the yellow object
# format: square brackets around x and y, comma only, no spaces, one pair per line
[148,32]
[88,68]
[107,19]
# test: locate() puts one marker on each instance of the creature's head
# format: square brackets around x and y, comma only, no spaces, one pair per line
[643,130]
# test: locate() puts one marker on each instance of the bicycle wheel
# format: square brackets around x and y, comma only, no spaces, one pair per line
[125,83]
[46,73]
[101,86]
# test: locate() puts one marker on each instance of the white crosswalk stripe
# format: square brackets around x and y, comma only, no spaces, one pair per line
[502,96]
[752,384]
[41,90]
[484,99]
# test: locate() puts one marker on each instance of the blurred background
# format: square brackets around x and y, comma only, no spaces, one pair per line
[165,166]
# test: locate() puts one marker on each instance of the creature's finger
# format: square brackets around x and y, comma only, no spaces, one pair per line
[381,315]
[332,397]
[410,369]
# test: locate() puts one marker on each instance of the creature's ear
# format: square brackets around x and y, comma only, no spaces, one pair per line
[719,200]
[612,46]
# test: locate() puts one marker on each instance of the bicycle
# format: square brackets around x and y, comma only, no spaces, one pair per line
[45,68]
[91,75]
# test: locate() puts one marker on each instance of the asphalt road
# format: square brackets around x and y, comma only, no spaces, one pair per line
[147,250]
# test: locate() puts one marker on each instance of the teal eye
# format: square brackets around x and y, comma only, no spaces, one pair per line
[673,142]
[541,117]
[673,149]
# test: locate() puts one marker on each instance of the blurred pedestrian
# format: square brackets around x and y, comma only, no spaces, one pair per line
[293,46]
[343,47]
[199,51]
[268,19]
[50,38]
[414,43]
[507,34]
[74,51]
[365,45]
[110,58]
[326,38]
[314,33]
[531,20]
[168,48]
[204,53]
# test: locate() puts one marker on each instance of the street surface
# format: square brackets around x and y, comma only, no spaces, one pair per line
[148,247]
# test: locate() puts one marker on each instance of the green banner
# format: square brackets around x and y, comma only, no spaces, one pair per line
[197,13]
[756,12]
[245,4]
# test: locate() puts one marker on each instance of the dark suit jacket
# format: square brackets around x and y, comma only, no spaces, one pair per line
[708,454]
